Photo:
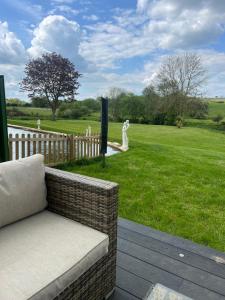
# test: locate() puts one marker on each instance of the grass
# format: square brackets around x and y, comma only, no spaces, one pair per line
[44,113]
[216,108]
[171,179]
[65,126]
[33,111]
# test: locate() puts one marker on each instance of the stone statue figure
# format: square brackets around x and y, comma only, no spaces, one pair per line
[88,131]
[124,135]
[39,124]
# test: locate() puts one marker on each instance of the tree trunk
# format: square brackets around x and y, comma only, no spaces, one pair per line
[53,114]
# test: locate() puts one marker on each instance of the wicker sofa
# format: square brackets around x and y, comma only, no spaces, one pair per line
[77,199]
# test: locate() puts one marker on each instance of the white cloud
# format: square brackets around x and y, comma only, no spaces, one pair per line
[13,75]
[64,9]
[107,43]
[214,62]
[58,34]
[98,83]
[12,50]
[183,23]
[63,1]
[163,24]
[142,5]
[91,18]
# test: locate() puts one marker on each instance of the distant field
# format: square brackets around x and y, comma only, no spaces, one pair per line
[45,113]
[216,108]
[35,112]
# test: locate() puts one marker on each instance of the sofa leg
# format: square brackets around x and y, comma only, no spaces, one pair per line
[108,296]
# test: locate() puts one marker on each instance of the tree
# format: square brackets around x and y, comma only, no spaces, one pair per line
[39,102]
[132,108]
[179,79]
[183,74]
[51,76]
[73,110]
[152,103]
[15,102]
[197,108]
[92,104]
[115,94]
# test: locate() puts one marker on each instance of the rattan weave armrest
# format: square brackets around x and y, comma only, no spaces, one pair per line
[90,201]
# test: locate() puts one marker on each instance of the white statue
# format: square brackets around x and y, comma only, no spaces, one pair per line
[88,131]
[39,124]
[126,125]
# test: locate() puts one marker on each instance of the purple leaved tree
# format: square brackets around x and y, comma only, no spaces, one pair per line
[52,76]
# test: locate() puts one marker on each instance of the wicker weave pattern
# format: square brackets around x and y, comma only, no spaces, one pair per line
[91,202]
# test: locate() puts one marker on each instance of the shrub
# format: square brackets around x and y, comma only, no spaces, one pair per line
[73,110]
[14,112]
[39,102]
[179,122]
[14,102]
[197,108]
[217,118]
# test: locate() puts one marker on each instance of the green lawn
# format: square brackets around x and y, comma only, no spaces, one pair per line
[171,179]
[216,108]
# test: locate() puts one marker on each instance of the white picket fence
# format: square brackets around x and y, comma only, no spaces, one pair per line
[56,148]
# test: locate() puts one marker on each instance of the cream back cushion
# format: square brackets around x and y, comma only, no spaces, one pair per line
[22,189]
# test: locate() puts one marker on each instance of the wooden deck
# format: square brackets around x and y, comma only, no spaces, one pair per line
[147,256]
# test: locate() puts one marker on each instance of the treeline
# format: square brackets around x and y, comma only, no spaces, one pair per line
[15,102]
[148,108]
[79,109]
[153,108]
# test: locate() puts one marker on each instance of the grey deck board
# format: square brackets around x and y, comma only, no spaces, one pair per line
[149,273]
[172,240]
[157,275]
[122,295]
[132,283]
[189,258]
[171,267]
[147,256]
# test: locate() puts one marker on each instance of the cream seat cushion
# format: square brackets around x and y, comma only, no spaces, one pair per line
[22,188]
[42,254]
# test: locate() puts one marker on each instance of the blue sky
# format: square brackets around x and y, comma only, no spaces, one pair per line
[113,43]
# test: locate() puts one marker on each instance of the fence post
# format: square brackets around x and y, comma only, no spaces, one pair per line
[4,147]
[71,139]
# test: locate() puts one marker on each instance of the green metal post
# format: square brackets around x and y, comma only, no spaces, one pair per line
[4,147]
[104,129]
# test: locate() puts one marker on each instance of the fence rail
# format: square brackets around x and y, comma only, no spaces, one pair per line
[55,148]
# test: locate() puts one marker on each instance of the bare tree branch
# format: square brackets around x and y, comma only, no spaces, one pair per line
[181,73]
